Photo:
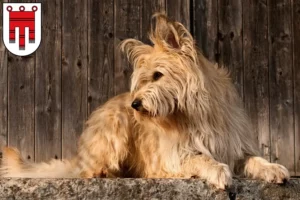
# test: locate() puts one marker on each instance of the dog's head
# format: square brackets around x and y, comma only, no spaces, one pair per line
[165,75]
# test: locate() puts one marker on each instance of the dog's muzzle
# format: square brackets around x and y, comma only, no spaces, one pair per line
[136,104]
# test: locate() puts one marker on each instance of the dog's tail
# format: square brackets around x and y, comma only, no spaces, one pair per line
[13,165]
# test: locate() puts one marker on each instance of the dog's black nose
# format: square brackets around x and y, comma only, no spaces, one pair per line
[136,104]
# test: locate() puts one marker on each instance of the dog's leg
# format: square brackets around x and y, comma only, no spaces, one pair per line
[101,155]
[103,145]
[205,167]
[259,168]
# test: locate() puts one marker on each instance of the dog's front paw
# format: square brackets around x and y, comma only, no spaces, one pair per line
[274,173]
[219,176]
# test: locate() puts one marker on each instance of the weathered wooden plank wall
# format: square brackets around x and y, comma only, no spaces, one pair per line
[296,72]
[100,52]
[205,27]
[230,41]
[256,69]
[48,85]
[281,82]
[3,90]
[47,96]
[21,87]
[74,72]
[127,23]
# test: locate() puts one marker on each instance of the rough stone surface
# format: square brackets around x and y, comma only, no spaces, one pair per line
[90,189]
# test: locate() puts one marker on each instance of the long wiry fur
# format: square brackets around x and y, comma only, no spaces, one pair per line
[191,121]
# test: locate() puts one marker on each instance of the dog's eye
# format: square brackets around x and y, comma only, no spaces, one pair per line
[157,75]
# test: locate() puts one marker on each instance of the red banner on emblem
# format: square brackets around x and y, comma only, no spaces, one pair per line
[21,19]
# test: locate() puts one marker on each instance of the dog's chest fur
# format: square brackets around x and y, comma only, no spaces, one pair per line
[157,146]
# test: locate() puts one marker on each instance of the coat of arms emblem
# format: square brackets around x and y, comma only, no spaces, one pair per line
[22,27]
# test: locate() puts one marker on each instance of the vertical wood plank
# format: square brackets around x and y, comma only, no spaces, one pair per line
[127,25]
[230,39]
[296,70]
[101,52]
[205,22]
[148,9]
[48,85]
[3,89]
[74,73]
[21,102]
[179,10]
[281,83]
[256,72]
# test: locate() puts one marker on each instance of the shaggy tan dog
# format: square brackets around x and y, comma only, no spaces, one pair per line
[183,118]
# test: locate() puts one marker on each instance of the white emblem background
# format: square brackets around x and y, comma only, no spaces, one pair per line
[29,47]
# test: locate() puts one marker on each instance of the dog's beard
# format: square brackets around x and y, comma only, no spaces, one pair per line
[158,103]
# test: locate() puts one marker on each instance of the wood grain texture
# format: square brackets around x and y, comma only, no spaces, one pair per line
[148,9]
[101,52]
[127,25]
[48,85]
[179,10]
[296,70]
[74,73]
[21,72]
[3,89]
[256,64]
[281,83]
[230,40]
[21,104]
[205,27]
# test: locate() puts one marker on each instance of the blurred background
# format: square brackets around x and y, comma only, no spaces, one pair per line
[46,97]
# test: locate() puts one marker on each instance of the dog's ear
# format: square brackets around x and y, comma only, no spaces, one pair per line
[134,50]
[162,30]
[169,34]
